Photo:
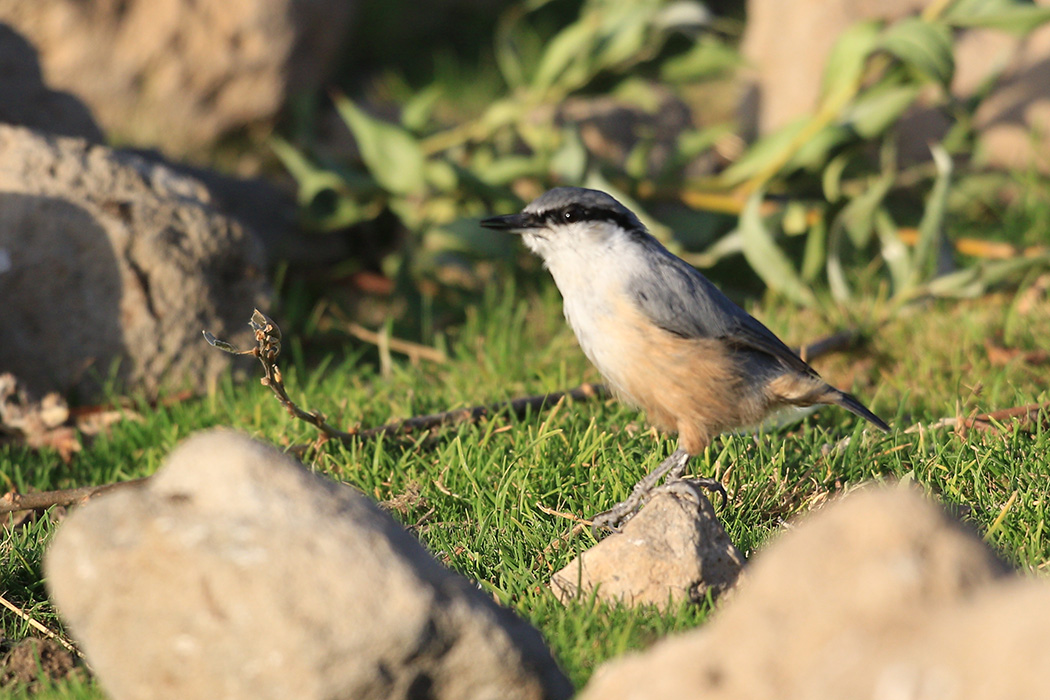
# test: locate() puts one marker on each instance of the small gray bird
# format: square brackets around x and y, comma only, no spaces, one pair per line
[661,334]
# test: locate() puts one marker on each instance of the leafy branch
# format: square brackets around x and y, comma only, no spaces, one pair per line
[818,199]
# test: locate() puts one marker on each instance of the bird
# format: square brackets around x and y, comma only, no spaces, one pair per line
[663,337]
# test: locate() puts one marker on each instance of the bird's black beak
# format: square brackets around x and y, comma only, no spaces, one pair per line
[515,223]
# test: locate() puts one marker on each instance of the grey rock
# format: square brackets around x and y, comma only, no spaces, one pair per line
[109,260]
[878,595]
[236,573]
[672,550]
[178,75]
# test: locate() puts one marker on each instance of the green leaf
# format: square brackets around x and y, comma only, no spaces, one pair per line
[978,279]
[692,142]
[565,55]
[686,16]
[730,244]
[813,154]
[831,178]
[391,154]
[569,162]
[707,57]
[506,170]
[840,289]
[771,149]
[506,50]
[816,252]
[1008,17]
[879,108]
[966,8]
[925,47]
[858,217]
[623,37]
[324,195]
[894,253]
[636,164]
[795,220]
[849,56]
[642,93]
[766,259]
[308,176]
[766,150]
[416,112]
[465,236]
[499,114]
[932,223]
[441,176]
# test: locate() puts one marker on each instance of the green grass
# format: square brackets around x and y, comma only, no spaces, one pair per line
[482,488]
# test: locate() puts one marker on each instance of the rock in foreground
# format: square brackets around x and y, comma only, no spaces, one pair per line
[235,573]
[879,596]
[673,550]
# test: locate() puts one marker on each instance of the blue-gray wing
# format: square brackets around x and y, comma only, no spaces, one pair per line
[682,301]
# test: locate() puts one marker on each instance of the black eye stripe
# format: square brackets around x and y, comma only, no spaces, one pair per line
[574,212]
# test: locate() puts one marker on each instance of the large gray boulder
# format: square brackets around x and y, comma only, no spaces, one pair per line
[236,573]
[178,75]
[112,265]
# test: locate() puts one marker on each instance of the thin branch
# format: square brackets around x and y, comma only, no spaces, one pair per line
[516,407]
[267,349]
[986,422]
[37,626]
[12,502]
[414,351]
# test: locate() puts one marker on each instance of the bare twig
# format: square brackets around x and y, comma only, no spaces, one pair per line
[12,502]
[517,407]
[267,349]
[37,626]
[414,351]
[986,422]
[561,514]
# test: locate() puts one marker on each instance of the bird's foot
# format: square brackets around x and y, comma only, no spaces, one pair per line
[617,516]
[691,488]
[645,489]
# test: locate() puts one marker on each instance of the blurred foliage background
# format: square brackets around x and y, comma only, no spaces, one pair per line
[459,111]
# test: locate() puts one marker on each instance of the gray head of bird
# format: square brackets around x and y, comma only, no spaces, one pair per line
[570,220]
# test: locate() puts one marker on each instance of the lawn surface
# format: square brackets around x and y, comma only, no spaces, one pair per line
[483,497]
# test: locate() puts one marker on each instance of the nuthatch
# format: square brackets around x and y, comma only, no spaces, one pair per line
[661,334]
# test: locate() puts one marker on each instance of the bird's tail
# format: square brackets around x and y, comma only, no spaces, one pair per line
[851,404]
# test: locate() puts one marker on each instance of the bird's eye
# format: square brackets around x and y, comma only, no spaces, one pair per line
[572,214]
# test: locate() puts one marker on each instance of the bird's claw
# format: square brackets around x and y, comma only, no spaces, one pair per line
[617,516]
